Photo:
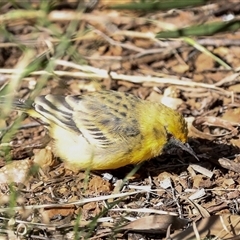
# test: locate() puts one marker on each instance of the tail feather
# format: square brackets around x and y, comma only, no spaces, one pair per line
[21,105]
[51,109]
[16,104]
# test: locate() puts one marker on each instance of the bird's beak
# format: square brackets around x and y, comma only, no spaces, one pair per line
[184,146]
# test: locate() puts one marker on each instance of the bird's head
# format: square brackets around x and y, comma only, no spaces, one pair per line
[177,132]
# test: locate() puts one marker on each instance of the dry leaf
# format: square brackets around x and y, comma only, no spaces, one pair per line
[202,170]
[171,102]
[198,194]
[180,68]
[155,224]
[232,115]
[97,184]
[199,210]
[235,88]
[197,181]
[204,62]
[229,164]
[223,227]
[211,121]
[44,157]
[62,211]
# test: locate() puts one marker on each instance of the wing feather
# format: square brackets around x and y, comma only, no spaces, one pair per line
[55,109]
[101,117]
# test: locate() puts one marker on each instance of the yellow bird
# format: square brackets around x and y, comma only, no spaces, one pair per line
[107,129]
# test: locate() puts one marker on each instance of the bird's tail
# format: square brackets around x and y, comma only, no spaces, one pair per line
[22,105]
[15,104]
[50,109]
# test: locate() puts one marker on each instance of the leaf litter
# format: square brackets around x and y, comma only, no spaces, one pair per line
[170,196]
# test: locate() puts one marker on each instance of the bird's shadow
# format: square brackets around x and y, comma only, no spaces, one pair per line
[177,162]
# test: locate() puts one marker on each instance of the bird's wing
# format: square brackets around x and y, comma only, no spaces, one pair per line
[103,119]
[55,109]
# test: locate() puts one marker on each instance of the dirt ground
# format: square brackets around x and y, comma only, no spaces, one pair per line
[173,196]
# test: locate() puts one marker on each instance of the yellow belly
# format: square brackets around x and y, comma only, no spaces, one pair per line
[77,153]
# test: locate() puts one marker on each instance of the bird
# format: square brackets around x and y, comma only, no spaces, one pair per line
[107,129]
